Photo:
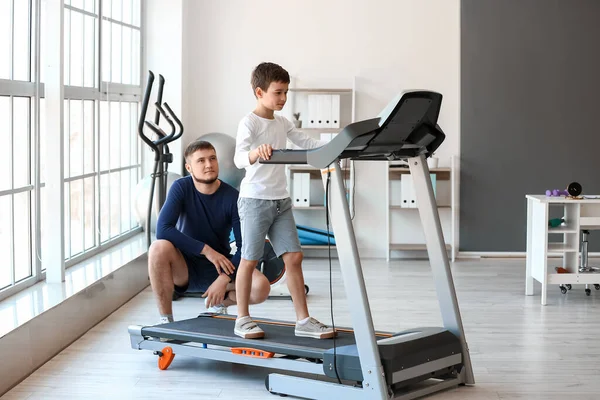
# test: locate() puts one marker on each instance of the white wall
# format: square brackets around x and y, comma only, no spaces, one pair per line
[388,45]
[163,54]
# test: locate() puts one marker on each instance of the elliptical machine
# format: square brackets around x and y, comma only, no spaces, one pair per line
[160,146]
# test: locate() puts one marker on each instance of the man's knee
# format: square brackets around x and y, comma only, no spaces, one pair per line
[160,252]
[261,287]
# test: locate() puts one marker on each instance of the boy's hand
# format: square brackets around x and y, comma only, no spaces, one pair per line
[263,151]
[221,263]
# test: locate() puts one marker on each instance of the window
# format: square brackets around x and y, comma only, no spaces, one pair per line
[102,158]
[102,62]
[16,186]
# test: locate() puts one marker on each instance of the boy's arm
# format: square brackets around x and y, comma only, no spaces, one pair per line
[244,157]
[301,139]
[167,220]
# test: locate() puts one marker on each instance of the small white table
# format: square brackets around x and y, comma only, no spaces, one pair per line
[578,214]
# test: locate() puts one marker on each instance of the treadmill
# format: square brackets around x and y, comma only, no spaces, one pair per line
[360,362]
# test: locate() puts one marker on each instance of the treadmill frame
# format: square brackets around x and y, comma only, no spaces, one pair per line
[374,384]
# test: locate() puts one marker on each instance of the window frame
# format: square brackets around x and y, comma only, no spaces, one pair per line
[34,89]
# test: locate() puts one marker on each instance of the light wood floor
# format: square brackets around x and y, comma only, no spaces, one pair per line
[519,349]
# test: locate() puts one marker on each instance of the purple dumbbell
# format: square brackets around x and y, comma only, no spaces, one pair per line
[556,192]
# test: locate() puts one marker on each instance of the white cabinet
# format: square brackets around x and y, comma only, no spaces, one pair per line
[402,209]
[545,242]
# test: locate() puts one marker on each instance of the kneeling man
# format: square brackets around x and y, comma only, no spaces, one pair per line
[192,250]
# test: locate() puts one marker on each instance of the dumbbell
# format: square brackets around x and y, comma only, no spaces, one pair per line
[556,192]
[574,189]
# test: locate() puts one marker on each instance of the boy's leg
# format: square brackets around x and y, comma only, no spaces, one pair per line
[284,236]
[167,269]
[256,216]
[243,286]
[295,282]
[259,290]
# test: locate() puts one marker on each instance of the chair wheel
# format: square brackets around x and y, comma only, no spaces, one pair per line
[568,286]
[307,289]
[596,286]
[588,292]
[563,290]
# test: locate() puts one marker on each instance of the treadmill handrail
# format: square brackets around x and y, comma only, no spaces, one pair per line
[407,127]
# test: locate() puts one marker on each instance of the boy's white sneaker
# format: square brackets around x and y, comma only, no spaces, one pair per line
[246,328]
[314,329]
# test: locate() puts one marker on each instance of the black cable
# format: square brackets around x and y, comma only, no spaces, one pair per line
[330,275]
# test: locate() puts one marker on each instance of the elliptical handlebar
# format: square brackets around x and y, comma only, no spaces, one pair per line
[145,102]
[177,121]
[161,85]
[164,138]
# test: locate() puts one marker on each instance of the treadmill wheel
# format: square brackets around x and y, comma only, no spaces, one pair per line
[165,358]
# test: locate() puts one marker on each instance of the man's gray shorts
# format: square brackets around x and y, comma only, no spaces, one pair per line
[261,218]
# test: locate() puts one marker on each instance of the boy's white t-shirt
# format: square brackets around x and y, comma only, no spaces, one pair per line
[267,181]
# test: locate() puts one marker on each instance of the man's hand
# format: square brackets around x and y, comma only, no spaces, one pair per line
[216,291]
[221,263]
[263,151]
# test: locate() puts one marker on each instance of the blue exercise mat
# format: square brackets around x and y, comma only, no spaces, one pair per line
[314,235]
[307,236]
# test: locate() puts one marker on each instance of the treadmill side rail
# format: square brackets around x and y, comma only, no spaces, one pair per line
[225,354]
[135,336]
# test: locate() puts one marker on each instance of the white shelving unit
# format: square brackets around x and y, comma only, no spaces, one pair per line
[401,220]
[314,215]
[543,255]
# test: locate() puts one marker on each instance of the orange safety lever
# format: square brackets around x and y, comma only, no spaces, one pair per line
[250,352]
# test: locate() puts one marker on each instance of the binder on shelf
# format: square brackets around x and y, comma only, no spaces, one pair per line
[323,111]
[335,111]
[306,189]
[301,189]
[313,106]
[407,192]
[408,198]
[296,190]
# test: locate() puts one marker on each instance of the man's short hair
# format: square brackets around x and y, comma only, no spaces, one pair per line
[196,145]
[268,72]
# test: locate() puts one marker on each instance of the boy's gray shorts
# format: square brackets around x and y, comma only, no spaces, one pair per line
[261,218]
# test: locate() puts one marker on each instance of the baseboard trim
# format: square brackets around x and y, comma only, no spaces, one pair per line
[37,341]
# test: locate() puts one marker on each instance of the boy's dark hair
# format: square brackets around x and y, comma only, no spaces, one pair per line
[268,72]
[197,145]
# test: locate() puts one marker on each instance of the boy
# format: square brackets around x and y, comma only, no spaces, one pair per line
[264,205]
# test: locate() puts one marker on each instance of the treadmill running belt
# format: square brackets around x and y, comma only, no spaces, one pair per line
[218,330]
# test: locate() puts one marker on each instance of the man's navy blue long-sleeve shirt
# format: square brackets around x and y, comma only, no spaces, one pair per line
[190,219]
